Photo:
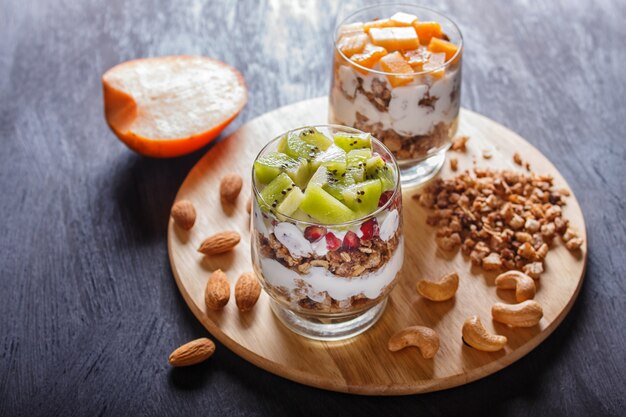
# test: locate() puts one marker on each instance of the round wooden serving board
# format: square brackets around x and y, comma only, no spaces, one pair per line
[363,364]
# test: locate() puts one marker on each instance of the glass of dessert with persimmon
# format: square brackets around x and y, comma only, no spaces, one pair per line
[397,75]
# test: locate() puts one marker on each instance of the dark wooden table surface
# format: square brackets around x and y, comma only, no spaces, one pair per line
[89,310]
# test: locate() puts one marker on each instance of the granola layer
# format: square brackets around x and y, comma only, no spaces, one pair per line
[407,147]
[370,258]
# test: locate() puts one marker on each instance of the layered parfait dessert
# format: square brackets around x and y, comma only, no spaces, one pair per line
[327,236]
[399,78]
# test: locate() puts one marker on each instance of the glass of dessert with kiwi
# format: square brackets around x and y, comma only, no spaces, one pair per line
[327,241]
[397,75]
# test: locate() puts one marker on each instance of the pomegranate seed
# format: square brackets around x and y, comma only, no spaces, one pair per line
[370,228]
[314,233]
[384,197]
[332,242]
[351,241]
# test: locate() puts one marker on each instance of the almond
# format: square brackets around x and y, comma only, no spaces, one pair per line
[192,353]
[230,187]
[217,291]
[184,214]
[247,291]
[219,243]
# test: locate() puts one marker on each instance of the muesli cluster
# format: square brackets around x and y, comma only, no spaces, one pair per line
[501,219]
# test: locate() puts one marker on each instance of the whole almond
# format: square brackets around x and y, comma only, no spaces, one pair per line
[217,291]
[184,214]
[219,243]
[192,353]
[230,187]
[247,291]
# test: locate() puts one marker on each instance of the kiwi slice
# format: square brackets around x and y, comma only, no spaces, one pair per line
[314,137]
[276,192]
[291,202]
[323,207]
[356,162]
[376,167]
[300,215]
[336,185]
[271,165]
[349,142]
[333,158]
[387,178]
[363,197]
[358,157]
[305,144]
[373,165]
[332,183]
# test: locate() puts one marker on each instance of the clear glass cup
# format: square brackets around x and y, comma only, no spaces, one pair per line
[328,281]
[416,121]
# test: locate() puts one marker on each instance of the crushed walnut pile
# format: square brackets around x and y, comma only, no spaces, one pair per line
[502,220]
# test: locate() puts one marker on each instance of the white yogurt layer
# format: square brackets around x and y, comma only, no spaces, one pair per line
[319,281]
[389,226]
[404,115]
[292,238]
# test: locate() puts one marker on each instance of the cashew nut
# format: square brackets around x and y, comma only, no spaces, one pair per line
[424,338]
[523,285]
[526,314]
[475,335]
[441,290]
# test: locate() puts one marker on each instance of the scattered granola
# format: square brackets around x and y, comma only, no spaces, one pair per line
[501,220]
[517,159]
[454,164]
[487,154]
[458,143]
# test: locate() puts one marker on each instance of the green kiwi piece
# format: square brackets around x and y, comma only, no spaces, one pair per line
[305,144]
[276,191]
[333,158]
[271,165]
[291,203]
[323,207]
[387,178]
[363,197]
[373,165]
[314,137]
[349,142]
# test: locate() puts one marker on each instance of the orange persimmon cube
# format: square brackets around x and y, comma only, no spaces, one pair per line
[416,58]
[393,39]
[434,64]
[381,23]
[370,55]
[353,43]
[427,30]
[403,19]
[396,64]
[350,28]
[439,45]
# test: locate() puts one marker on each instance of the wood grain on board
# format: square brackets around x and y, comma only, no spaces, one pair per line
[89,310]
[363,364]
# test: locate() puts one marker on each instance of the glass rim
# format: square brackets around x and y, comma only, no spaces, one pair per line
[446,64]
[359,220]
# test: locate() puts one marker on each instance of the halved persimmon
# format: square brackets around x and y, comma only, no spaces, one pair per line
[170,106]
